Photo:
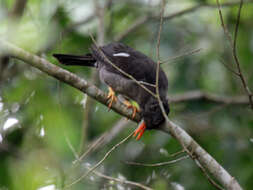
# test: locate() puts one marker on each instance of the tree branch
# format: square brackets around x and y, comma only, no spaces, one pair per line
[208,177]
[109,135]
[75,25]
[142,20]
[122,181]
[214,98]
[157,164]
[233,44]
[172,129]
[100,162]
[197,153]
[64,76]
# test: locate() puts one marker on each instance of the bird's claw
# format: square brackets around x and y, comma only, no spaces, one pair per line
[140,130]
[111,97]
[134,108]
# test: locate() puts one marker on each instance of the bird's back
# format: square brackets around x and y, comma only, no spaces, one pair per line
[133,62]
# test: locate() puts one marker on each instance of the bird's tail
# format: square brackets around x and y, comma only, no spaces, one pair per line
[85,60]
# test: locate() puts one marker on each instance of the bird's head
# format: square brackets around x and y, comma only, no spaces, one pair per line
[152,113]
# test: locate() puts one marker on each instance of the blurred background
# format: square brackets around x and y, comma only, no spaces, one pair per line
[45,124]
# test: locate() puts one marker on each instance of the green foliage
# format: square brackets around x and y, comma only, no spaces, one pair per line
[35,152]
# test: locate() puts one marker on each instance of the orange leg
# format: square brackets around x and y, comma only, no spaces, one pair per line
[140,130]
[129,105]
[111,97]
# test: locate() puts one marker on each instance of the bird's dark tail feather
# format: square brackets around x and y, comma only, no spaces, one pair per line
[86,60]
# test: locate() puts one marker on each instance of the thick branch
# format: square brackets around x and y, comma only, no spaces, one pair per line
[199,95]
[199,154]
[64,76]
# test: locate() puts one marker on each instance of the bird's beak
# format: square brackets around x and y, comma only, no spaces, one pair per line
[140,130]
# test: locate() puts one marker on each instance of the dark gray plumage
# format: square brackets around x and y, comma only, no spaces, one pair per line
[136,64]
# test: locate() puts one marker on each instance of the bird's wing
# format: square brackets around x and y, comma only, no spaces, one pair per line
[133,62]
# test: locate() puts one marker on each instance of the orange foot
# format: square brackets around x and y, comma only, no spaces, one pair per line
[129,105]
[111,97]
[141,129]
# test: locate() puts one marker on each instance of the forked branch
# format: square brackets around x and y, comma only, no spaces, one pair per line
[233,44]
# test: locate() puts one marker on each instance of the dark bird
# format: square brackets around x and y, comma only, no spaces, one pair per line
[134,63]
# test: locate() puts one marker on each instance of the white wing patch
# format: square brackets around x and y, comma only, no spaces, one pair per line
[122,54]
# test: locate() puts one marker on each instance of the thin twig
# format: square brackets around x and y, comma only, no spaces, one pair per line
[75,25]
[158,53]
[181,56]
[71,147]
[248,91]
[216,185]
[237,26]
[158,59]
[234,51]
[229,68]
[122,181]
[90,149]
[176,153]
[140,21]
[157,164]
[109,135]
[146,83]
[100,162]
